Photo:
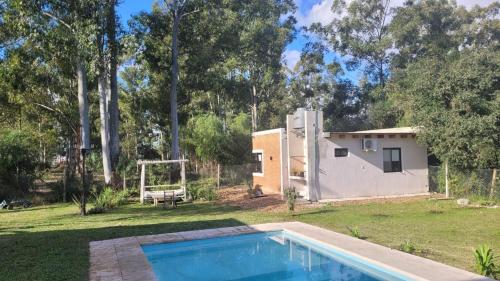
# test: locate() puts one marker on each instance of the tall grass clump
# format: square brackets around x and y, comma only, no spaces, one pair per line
[108,199]
[484,259]
[291,196]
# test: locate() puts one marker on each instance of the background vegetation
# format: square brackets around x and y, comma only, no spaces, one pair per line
[429,64]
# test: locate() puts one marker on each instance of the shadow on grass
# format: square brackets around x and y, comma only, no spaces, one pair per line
[157,212]
[64,254]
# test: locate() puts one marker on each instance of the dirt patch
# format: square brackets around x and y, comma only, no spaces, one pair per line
[238,197]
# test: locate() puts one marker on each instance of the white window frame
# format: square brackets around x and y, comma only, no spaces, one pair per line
[261,151]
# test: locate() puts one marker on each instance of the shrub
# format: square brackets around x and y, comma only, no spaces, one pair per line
[202,189]
[408,247]
[18,162]
[484,261]
[207,193]
[109,199]
[291,197]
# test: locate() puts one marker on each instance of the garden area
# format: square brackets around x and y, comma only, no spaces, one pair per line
[51,242]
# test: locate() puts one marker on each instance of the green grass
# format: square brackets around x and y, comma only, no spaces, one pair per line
[51,242]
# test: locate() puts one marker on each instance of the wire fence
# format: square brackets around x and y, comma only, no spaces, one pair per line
[479,183]
[224,176]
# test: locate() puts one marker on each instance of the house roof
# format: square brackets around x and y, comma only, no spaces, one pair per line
[400,130]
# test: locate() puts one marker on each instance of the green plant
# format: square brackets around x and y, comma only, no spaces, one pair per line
[291,197]
[109,199]
[485,261]
[207,193]
[355,232]
[203,189]
[485,202]
[19,165]
[408,247]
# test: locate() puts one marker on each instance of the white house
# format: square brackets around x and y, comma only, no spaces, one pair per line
[339,165]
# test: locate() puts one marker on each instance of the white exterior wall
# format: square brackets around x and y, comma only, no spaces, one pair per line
[361,173]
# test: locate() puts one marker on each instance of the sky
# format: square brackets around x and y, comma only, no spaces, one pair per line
[308,11]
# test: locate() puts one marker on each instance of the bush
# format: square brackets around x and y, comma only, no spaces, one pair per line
[109,199]
[18,162]
[203,189]
[484,261]
[207,193]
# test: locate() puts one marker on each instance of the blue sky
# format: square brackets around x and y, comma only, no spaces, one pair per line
[308,11]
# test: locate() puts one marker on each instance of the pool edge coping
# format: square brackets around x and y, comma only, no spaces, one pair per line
[122,259]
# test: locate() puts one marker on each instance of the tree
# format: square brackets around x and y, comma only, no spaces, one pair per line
[316,85]
[45,24]
[264,36]
[102,86]
[424,28]
[178,10]
[113,107]
[207,137]
[361,34]
[456,105]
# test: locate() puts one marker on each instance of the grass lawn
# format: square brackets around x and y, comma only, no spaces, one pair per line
[51,242]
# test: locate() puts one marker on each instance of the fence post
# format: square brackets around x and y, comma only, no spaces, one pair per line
[446,184]
[183,180]
[218,176]
[493,182]
[143,182]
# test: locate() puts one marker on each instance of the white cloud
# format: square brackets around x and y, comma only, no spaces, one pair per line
[320,12]
[471,3]
[291,58]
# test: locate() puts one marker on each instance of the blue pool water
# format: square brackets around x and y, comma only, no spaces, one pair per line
[261,256]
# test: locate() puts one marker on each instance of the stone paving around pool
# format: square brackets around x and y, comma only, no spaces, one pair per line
[122,259]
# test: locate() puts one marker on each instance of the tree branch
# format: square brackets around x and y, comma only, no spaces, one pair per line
[60,112]
[192,12]
[59,20]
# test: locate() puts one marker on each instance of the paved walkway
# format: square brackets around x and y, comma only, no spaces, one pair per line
[123,259]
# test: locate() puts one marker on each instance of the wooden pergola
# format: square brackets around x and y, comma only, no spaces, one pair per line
[182,185]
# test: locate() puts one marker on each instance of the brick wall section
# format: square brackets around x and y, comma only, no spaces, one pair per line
[271,181]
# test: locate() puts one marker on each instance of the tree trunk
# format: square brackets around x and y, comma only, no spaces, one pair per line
[104,128]
[113,109]
[83,106]
[493,182]
[173,91]
[254,108]
[67,163]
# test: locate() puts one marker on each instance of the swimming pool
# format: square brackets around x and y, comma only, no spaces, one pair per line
[277,255]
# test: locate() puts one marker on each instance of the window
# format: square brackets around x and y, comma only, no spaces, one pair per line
[341,152]
[392,160]
[257,161]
